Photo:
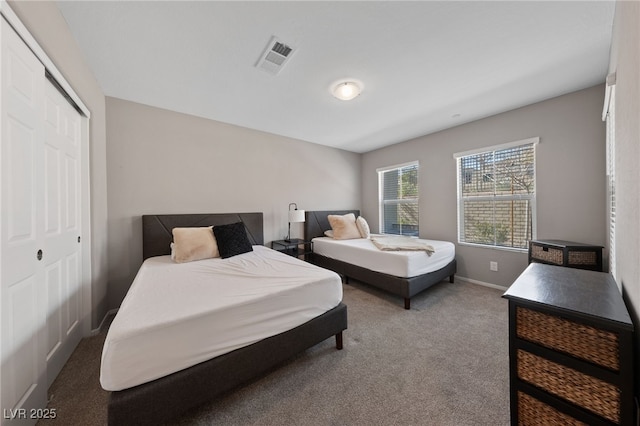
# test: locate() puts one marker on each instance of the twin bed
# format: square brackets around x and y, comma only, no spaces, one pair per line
[402,273]
[188,332]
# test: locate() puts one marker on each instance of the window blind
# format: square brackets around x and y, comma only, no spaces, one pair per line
[399,211]
[611,177]
[496,195]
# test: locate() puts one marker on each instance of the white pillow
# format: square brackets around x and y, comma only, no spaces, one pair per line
[363,227]
[328,233]
[191,244]
[344,227]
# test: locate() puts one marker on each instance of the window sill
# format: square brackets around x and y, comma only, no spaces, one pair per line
[500,248]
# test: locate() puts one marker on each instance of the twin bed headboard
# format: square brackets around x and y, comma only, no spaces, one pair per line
[316,222]
[157,236]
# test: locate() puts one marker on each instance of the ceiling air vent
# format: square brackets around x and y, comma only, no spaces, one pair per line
[275,56]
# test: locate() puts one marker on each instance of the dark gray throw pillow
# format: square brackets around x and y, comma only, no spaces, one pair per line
[232,239]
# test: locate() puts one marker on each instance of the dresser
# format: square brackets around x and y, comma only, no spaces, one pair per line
[570,349]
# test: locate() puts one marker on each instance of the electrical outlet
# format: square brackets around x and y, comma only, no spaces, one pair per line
[493,266]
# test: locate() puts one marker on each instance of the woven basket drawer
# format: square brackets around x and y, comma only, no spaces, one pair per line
[591,393]
[532,412]
[547,254]
[582,258]
[591,344]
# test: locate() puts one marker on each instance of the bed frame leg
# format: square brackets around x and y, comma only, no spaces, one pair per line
[339,341]
[407,303]
[451,278]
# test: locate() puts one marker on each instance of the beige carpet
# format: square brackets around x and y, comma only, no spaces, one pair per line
[444,362]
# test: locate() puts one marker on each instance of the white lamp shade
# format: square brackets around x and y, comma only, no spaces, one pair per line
[296,215]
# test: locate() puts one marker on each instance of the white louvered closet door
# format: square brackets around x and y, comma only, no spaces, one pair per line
[40,228]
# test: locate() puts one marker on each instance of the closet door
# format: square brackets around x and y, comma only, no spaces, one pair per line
[22,294]
[62,259]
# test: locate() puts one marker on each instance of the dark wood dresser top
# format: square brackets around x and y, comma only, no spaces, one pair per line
[582,293]
[563,243]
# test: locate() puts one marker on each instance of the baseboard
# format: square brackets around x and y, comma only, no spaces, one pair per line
[103,322]
[482,283]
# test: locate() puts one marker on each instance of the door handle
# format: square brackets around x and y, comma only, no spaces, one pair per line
[39,255]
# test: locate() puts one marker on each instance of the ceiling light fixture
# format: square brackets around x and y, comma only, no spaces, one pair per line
[346,89]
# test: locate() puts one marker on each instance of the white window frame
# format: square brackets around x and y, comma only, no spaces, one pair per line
[381,201]
[531,197]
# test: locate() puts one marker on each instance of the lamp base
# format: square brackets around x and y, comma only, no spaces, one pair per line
[288,237]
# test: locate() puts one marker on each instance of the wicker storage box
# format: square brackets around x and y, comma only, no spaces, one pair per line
[579,340]
[566,253]
[536,413]
[589,392]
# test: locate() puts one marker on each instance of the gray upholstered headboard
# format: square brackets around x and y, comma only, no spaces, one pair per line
[157,236]
[316,222]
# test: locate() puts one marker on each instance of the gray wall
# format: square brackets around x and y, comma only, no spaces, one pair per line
[48,27]
[625,62]
[570,163]
[165,162]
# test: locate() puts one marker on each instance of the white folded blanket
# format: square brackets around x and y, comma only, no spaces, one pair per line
[397,243]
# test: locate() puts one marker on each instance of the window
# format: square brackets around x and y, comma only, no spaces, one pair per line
[609,115]
[398,189]
[496,195]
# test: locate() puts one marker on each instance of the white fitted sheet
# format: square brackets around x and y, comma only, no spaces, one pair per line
[178,315]
[405,264]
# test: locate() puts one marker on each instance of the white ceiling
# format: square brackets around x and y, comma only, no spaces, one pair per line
[426,66]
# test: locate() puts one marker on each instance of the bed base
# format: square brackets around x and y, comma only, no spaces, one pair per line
[404,287]
[162,400]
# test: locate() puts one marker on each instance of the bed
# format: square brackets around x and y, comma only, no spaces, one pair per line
[406,286]
[146,395]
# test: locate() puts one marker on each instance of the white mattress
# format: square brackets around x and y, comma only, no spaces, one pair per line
[178,315]
[405,264]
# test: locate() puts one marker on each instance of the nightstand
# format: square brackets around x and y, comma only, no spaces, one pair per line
[566,253]
[295,247]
